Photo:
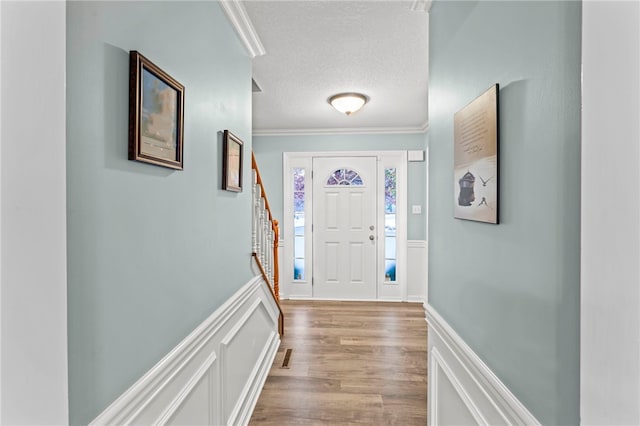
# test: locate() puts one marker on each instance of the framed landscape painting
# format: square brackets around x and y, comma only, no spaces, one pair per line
[232,162]
[156,114]
[475,175]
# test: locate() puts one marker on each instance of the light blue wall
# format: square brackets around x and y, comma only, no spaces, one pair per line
[151,252]
[269,150]
[512,290]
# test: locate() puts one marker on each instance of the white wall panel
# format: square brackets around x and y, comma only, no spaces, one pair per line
[417,288]
[610,214]
[195,410]
[462,388]
[215,375]
[241,352]
[450,407]
[34,365]
[193,405]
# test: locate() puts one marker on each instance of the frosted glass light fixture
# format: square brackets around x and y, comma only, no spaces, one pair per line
[348,103]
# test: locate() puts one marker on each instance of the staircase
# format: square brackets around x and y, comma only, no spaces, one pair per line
[265,235]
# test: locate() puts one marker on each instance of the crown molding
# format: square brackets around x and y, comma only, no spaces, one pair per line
[239,19]
[339,131]
[421,5]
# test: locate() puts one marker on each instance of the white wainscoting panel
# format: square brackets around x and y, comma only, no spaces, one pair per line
[215,375]
[462,389]
[417,271]
[246,344]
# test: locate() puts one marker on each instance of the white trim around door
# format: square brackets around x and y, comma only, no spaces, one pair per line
[298,224]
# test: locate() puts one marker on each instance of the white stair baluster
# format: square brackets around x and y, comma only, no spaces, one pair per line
[254,218]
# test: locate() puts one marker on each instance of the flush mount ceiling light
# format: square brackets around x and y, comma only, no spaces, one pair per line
[348,103]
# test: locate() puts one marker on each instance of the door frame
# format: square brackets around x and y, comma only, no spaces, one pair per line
[303,289]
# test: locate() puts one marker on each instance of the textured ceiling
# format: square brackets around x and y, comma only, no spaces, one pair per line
[315,49]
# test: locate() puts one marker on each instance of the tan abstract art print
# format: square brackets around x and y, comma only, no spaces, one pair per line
[475,176]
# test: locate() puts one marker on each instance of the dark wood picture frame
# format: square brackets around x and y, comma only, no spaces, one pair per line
[232,162]
[477,158]
[156,114]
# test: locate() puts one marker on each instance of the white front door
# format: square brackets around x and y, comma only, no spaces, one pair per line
[344,227]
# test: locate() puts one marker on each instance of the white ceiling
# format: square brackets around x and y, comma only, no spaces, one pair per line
[317,48]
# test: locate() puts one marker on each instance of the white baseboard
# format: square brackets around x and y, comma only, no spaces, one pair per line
[462,388]
[215,375]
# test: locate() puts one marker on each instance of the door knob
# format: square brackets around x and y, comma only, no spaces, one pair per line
[371,237]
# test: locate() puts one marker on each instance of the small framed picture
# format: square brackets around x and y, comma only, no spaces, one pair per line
[156,114]
[232,162]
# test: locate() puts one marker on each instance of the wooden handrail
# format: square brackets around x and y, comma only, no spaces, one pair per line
[265,240]
[254,166]
[273,293]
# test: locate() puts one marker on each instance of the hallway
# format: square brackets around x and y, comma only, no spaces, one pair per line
[351,362]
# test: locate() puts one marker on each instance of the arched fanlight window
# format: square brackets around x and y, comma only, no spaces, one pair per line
[344,177]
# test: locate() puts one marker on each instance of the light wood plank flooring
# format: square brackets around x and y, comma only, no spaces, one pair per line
[351,362]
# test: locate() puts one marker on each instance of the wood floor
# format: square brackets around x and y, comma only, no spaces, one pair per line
[351,362]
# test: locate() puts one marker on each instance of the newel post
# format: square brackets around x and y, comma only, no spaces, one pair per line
[276,271]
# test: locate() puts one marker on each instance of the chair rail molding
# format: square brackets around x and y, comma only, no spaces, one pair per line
[462,388]
[215,375]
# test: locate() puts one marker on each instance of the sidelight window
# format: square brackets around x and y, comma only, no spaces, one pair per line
[390,224]
[298,224]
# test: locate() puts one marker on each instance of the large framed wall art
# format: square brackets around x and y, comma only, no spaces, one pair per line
[476,165]
[156,114]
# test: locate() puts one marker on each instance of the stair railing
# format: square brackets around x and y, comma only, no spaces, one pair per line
[265,234]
